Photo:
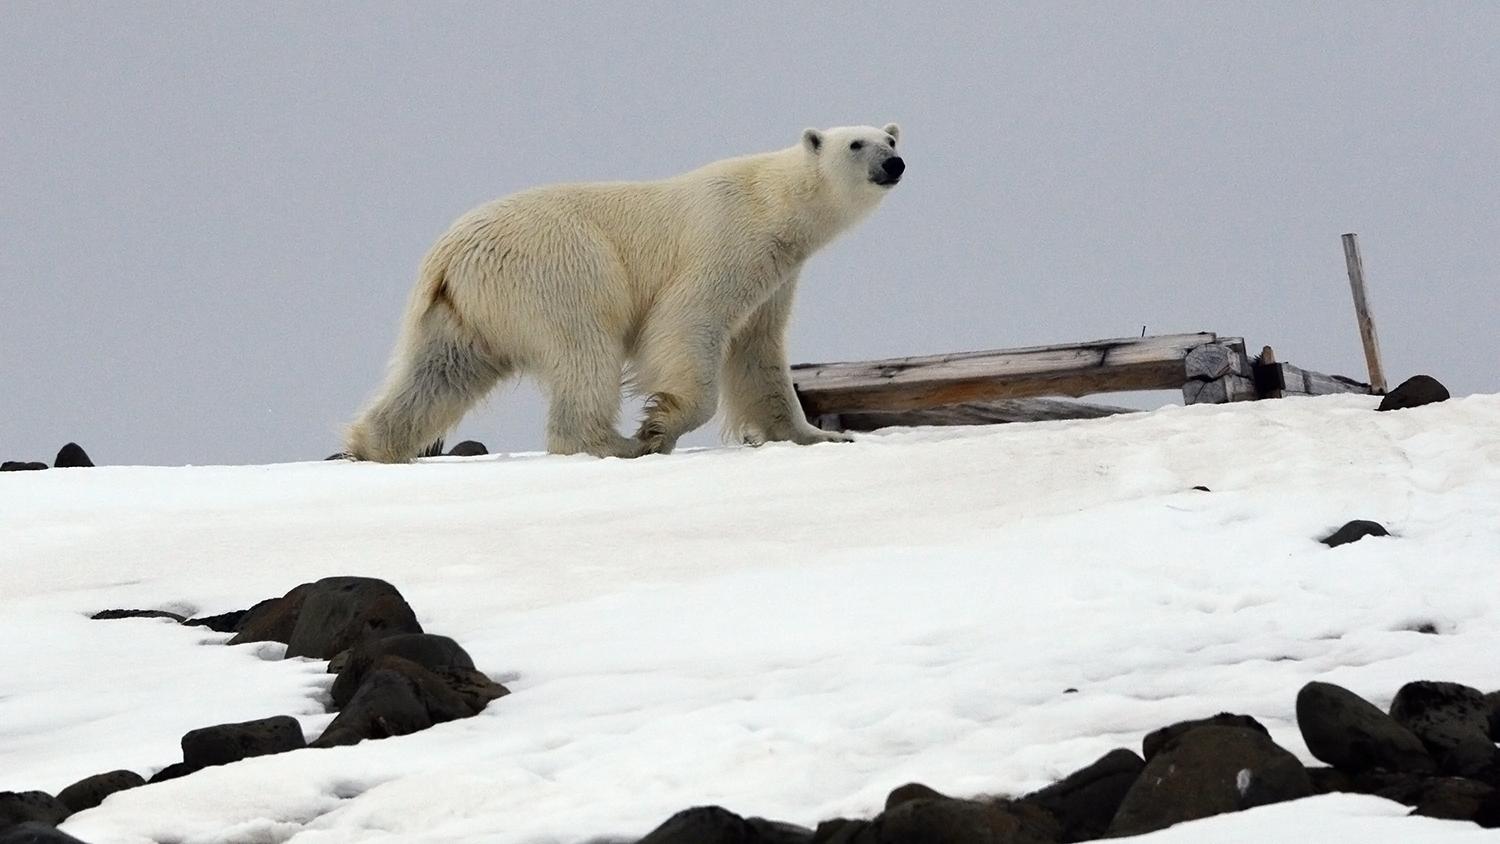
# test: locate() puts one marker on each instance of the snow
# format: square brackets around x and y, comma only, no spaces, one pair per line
[789,632]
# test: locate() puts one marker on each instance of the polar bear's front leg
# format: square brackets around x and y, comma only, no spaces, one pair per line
[758,395]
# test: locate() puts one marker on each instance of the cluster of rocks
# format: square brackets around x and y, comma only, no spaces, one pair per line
[1433,751]
[70,456]
[392,679]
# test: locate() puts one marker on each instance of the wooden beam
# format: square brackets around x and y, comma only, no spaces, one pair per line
[1367,336]
[1292,380]
[1218,372]
[1079,369]
[999,411]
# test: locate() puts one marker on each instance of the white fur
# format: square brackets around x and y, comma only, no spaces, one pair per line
[688,281]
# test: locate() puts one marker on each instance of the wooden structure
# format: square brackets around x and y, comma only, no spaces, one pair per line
[975,387]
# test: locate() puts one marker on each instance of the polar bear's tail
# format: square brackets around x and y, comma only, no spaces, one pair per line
[438,372]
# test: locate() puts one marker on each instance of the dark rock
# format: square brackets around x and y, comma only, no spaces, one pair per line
[1352,734]
[17,807]
[397,697]
[36,833]
[468,448]
[1450,798]
[1414,392]
[110,615]
[172,772]
[225,743]
[951,821]
[72,456]
[912,791]
[475,688]
[1353,532]
[340,612]
[1488,814]
[840,831]
[1453,722]
[21,466]
[273,619]
[226,622]
[1493,700]
[1426,627]
[1209,771]
[425,649]
[1330,781]
[1201,488]
[716,825]
[1086,801]
[91,791]
[1157,740]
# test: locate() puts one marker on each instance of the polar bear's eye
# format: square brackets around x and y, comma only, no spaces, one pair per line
[856,144]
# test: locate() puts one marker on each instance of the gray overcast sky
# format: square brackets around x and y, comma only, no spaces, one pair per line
[211,213]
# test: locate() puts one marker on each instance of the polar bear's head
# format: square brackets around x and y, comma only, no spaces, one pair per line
[858,161]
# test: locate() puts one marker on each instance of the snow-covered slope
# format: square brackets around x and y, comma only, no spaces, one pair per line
[789,632]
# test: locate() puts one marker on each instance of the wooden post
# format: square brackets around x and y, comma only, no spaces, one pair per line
[1362,312]
[1268,358]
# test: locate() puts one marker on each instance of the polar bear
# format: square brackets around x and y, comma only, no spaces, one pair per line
[682,286]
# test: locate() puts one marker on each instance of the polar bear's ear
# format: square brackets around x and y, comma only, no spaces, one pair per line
[893,130]
[813,140]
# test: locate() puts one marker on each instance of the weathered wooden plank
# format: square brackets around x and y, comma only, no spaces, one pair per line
[1134,363]
[1295,381]
[1356,265]
[1219,372]
[999,411]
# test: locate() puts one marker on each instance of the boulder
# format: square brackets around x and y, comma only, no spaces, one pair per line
[1449,798]
[1453,722]
[1156,740]
[949,821]
[72,456]
[21,466]
[1086,800]
[1493,700]
[468,448]
[271,620]
[912,791]
[1209,771]
[225,743]
[1414,392]
[717,825]
[35,833]
[1352,734]
[110,615]
[1353,532]
[341,612]
[428,650]
[91,791]
[18,807]
[395,698]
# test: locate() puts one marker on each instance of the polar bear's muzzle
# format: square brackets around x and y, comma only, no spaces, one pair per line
[890,171]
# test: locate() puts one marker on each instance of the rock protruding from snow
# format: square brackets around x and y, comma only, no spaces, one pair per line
[1453,722]
[397,696]
[1353,532]
[1414,392]
[271,620]
[18,807]
[225,743]
[111,615]
[36,833]
[1086,801]
[91,791]
[1157,740]
[340,612]
[468,448]
[72,456]
[1209,771]
[1352,734]
[21,466]
[428,650]
[717,825]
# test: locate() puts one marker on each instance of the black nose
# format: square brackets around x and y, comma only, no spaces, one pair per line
[894,166]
